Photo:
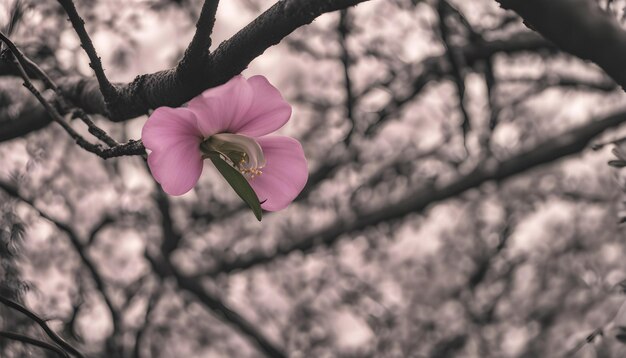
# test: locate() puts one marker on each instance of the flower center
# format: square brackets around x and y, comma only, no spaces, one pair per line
[241,152]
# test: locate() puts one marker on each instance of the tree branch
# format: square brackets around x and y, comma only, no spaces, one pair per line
[101,225]
[164,268]
[34,342]
[197,52]
[42,323]
[130,148]
[173,88]
[178,85]
[457,62]
[344,31]
[579,27]
[85,93]
[153,300]
[107,89]
[192,286]
[78,247]
[563,145]
[433,68]
[32,117]
[30,66]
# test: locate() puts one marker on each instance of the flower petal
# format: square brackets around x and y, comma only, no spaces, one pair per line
[284,175]
[178,168]
[268,111]
[218,108]
[167,126]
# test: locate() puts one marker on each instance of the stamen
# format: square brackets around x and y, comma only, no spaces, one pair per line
[242,152]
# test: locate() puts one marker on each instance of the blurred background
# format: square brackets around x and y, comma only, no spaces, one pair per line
[455,207]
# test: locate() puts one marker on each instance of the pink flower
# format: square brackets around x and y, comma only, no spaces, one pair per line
[233,120]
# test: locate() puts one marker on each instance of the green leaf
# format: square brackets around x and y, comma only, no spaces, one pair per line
[238,182]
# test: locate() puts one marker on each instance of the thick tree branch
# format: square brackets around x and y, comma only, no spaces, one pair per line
[579,27]
[563,145]
[85,91]
[197,52]
[174,87]
[32,117]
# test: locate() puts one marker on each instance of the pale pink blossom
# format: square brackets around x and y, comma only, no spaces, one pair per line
[234,120]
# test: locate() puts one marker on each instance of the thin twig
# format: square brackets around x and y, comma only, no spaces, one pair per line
[431,69]
[588,339]
[42,323]
[94,129]
[457,62]
[130,148]
[30,65]
[600,145]
[163,267]
[78,247]
[153,300]
[32,341]
[106,221]
[344,31]
[108,90]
